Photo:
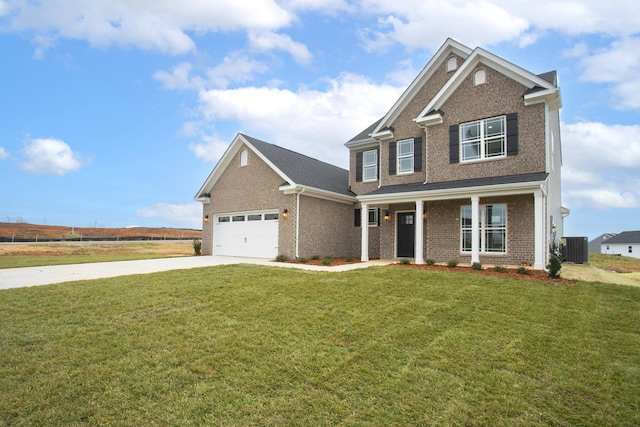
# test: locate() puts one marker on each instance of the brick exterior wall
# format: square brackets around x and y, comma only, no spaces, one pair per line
[500,95]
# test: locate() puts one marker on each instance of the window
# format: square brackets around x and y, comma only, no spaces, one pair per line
[271,217]
[452,63]
[630,249]
[483,139]
[244,155]
[257,217]
[374,217]
[405,156]
[370,165]
[237,218]
[492,226]
[223,219]
[480,77]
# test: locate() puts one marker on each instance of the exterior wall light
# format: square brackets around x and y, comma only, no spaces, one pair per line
[386,216]
[206,218]
[424,215]
[285,214]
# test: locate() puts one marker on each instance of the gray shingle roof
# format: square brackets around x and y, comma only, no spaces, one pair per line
[624,237]
[463,183]
[365,133]
[304,170]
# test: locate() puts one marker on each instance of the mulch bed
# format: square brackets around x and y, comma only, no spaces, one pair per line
[511,272]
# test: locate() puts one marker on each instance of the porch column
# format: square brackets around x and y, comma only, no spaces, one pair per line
[364,227]
[475,229]
[539,243]
[419,240]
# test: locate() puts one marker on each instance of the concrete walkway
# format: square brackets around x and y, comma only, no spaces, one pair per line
[37,276]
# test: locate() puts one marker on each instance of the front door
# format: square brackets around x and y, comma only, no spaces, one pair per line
[406,235]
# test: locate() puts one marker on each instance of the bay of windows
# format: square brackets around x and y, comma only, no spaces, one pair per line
[483,139]
[492,228]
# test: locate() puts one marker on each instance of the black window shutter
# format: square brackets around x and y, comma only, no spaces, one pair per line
[359,167]
[356,218]
[379,162]
[417,154]
[512,134]
[392,158]
[378,217]
[454,144]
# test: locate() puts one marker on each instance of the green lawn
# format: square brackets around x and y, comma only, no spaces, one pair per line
[250,345]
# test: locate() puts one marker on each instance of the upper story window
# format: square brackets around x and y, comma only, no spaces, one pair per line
[244,156]
[405,156]
[483,139]
[370,165]
[480,77]
[452,64]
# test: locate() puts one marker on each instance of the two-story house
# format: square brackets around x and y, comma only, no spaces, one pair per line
[464,166]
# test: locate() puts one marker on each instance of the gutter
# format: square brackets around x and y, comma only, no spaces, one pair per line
[298,221]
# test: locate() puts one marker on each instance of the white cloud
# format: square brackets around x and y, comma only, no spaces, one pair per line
[601,165]
[147,24]
[3,153]
[210,149]
[51,156]
[266,41]
[178,78]
[235,68]
[313,122]
[425,23]
[184,215]
[618,65]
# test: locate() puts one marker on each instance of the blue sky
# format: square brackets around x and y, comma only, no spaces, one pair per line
[113,112]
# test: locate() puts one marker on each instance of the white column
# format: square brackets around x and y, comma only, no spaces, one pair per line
[364,226]
[539,244]
[419,240]
[475,229]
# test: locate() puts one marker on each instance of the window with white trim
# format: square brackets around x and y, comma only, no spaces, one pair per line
[483,139]
[405,156]
[373,219]
[452,63]
[480,77]
[373,216]
[370,165]
[492,228]
[244,158]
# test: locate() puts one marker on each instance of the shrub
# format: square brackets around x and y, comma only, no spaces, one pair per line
[327,260]
[349,259]
[405,261]
[555,261]
[500,269]
[302,259]
[523,270]
[452,264]
[315,257]
[197,246]
[476,266]
[430,261]
[282,258]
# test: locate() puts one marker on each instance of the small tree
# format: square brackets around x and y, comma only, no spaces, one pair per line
[197,246]
[555,260]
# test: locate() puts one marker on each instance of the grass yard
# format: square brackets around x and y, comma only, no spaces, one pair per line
[250,345]
[32,255]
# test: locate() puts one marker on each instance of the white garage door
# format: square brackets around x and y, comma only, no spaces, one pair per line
[246,234]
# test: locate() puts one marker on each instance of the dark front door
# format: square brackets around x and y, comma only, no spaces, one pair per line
[405,235]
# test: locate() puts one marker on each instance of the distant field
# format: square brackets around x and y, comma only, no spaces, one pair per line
[15,255]
[21,231]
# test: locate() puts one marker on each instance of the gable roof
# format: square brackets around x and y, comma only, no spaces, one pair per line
[624,238]
[298,172]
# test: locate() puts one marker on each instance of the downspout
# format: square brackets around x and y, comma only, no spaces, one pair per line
[298,221]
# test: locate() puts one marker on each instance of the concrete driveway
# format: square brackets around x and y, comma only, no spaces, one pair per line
[36,276]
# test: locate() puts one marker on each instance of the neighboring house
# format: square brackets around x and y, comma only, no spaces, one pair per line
[465,166]
[626,243]
[594,245]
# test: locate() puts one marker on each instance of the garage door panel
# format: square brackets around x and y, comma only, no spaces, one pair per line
[256,238]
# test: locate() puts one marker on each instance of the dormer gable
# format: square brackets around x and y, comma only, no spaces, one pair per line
[541,88]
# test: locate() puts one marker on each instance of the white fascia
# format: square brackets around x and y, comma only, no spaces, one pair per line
[316,192]
[383,135]
[551,96]
[430,120]
[362,143]
[455,193]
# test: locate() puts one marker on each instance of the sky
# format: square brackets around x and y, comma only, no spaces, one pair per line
[114,112]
